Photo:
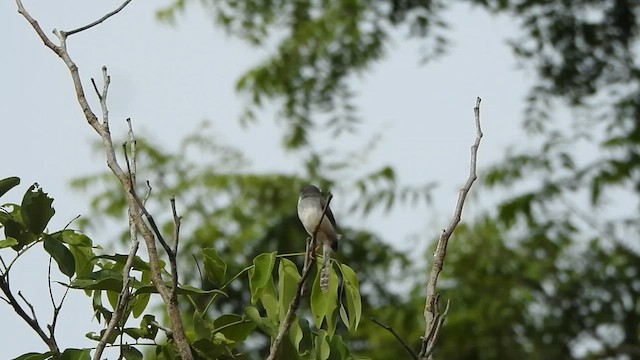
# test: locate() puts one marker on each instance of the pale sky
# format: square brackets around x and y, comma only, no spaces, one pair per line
[168,79]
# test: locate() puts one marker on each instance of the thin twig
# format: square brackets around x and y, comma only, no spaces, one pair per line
[125,293]
[31,321]
[174,251]
[72,220]
[432,316]
[88,26]
[295,302]
[390,329]
[166,330]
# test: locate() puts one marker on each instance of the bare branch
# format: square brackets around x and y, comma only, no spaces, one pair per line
[404,345]
[31,321]
[125,293]
[136,206]
[432,316]
[89,26]
[174,251]
[166,330]
[295,302]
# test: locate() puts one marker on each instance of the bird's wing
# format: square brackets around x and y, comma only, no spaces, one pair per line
[323,203]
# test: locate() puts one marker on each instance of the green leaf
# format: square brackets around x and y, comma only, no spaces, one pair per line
[72,237]
[139,304]
[318,300]
[84,259]
[75,354]
[36,209]
[35,356]
[8,184]
[322,346]
[352,294]
[14,229]
[63,257]
[8,242]
[234,327]
[182,290]
[288,278]
[131,353]
[150,330]
[261,273]
[207,349]
[138,263]
[215,268]
[105,279]
[339,349]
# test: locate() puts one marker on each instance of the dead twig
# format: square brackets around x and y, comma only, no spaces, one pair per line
[404,344]
[433,318]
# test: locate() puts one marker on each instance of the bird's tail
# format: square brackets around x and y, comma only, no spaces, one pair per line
[325,273]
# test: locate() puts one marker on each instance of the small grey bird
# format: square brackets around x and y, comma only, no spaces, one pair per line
[310,206]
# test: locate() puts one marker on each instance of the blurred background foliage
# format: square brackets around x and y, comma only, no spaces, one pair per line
[551,272]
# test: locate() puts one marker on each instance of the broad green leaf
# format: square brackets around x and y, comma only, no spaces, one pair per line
[234,327]
[332,302]
[138,263]
[8,242]
[318,300]
[35,356]
[288,279]
[339,350]
[182,290]
[165,352]
[8,184]
[135,333]
[215,268]
[261,273]
[322,348]
[72,237]
[207,349]
[75,354]
[201,328]
[131,353]
[14,229]
[105,279]
[139,304]
[352,294]
[112,297]
[295,335]
[36,209]
[84,259]
[269,300]
[63,257]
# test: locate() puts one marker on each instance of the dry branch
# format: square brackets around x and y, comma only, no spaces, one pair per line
[137,209]
[432,315]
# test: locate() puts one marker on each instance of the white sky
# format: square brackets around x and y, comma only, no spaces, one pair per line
[168,79]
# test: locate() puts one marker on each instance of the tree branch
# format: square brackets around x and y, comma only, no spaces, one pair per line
[295,302]
[135,205]
[99,21]
[125,293]
[31,321]
[404,344]
[433,318]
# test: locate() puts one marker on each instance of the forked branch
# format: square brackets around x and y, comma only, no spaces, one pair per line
[432,315]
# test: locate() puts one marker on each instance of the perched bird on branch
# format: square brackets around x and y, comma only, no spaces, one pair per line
[310,207]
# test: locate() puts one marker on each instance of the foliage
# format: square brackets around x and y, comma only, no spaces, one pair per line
[238,215]
[211,336]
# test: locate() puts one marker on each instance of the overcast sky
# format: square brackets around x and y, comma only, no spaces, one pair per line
[168,79]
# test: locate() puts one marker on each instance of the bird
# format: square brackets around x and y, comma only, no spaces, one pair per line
[311,204]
